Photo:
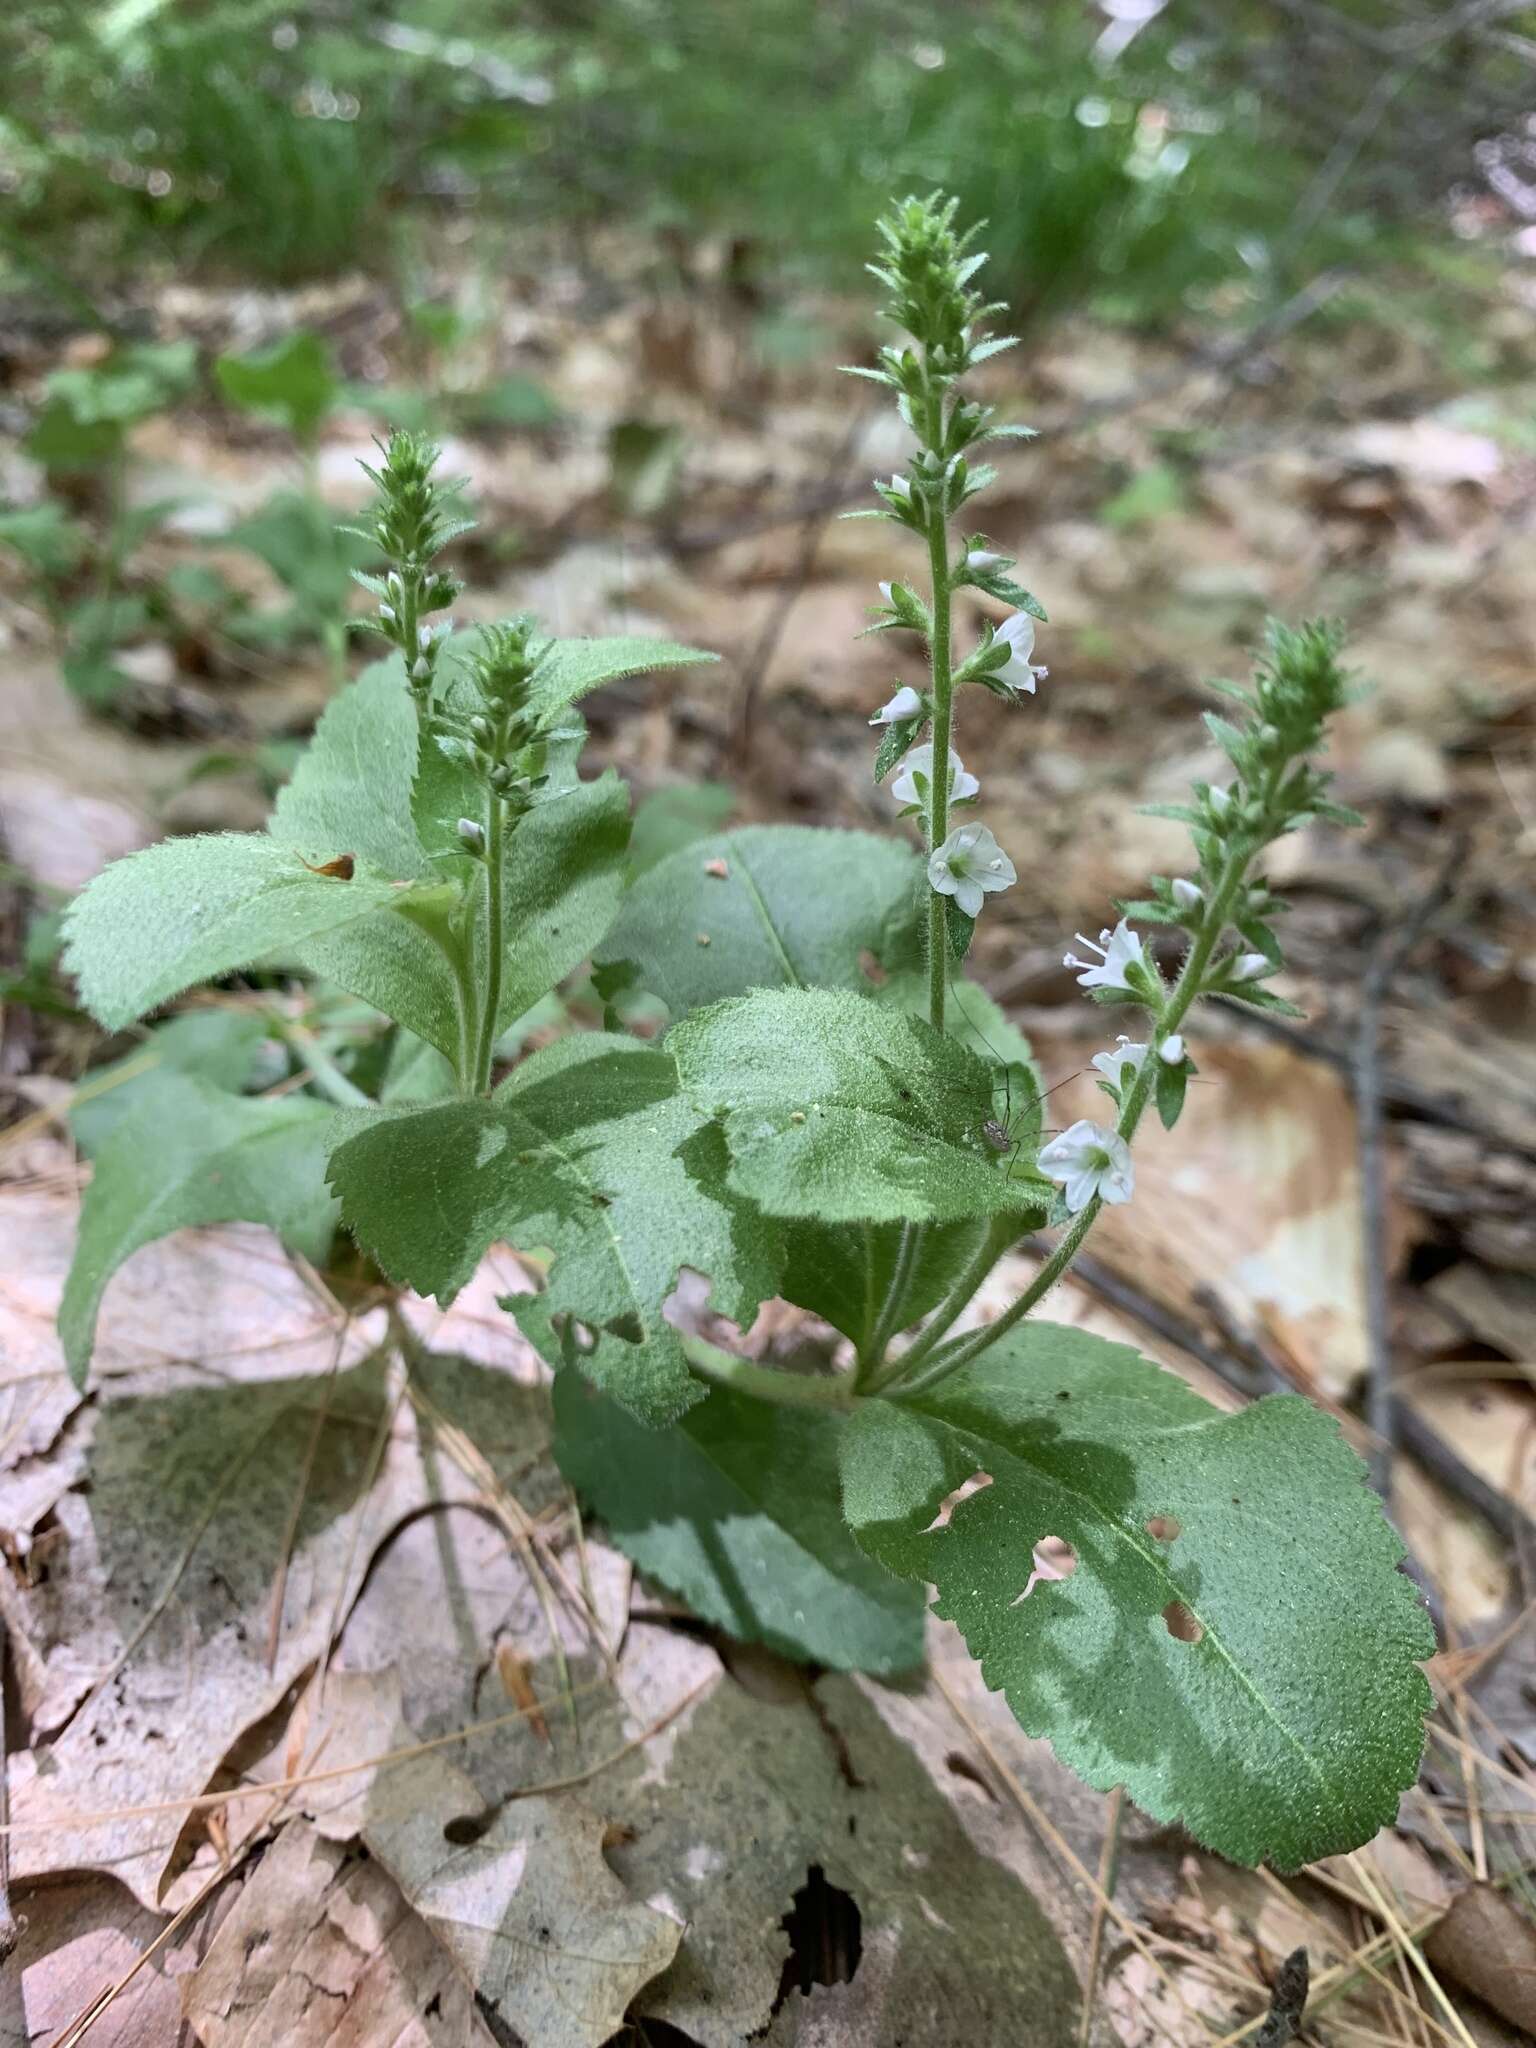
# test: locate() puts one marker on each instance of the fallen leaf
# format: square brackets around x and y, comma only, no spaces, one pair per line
[320,1951]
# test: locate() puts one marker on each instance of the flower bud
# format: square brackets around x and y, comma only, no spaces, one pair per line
[1187,894]
[421,669]
[387,614]
[472,835]
[1219,801]
[1171,1051]
[480,729]
[1250,967]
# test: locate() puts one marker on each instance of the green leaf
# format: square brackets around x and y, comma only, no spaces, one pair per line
[190,1153]
[843,1272]
[736,1510]
[837,1107]
[1235,1645]
[564,881]
[294,381]
[796,907]
[971,1016]
[351,792]
[46,538]
[1169,1091]
[573,667]
[590,1150]
[216,1046]
[189,910]
[669,819]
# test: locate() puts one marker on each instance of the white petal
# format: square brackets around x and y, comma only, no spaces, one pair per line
[969,896]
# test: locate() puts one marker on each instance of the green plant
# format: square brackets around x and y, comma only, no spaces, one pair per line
[1234,1642]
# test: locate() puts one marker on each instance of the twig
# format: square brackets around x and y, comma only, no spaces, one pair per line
[10,1933]
[1386,962]
[755,668]
[1109,1870]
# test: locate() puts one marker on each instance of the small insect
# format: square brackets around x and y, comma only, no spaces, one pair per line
[341,868]
[996,1134]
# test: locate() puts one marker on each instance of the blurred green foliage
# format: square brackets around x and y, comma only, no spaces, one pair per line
[1141,168]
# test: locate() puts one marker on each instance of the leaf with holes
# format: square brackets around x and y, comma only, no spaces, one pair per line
[1236,1645]
[189,1153]
[590,1150]
[191,910]
[735,1508]
[837,1107]
[769,906]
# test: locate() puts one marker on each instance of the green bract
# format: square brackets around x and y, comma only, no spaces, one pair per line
[834,1119]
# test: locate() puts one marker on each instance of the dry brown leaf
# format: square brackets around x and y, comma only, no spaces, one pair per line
[320,1951]
[554,1944]
[77,1939]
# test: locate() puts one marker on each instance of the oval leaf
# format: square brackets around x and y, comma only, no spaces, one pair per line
[1235,1644]
[769,906]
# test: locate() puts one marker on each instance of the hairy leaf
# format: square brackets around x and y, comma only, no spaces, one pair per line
[351,792]
[574,667]
[769,906]
[1235,1645]
[735,1508]
[218,1046]
[189,1153]
[837,1107]
[589,1149]
[189,910]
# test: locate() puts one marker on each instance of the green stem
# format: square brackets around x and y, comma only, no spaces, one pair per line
[888,1322]
[495,941]
[1000,1235]
[320,1067]
[785,1389]
[940,664]
[950,1357]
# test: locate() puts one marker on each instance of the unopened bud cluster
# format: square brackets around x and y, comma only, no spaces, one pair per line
[503,741]
[410,526]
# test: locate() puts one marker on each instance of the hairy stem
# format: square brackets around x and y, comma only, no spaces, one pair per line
[941,675]
[888,1322]
[321,1068]
[786,1389]
[1000,1234]
[495,942]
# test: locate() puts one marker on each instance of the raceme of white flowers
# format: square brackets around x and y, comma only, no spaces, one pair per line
[969,866]
[1088,1161]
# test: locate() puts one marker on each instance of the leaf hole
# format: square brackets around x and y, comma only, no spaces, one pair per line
[1182,1623]
[951,1501]
[465,1829]
[826,1937]
[1163,1528]
[1054,1558]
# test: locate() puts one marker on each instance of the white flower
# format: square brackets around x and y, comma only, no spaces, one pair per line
[1087,1160]
[1113,1065]
[1187,894]
[1018,671]
[885,592]
[1171,1051]
[905,704]
[1118,950]
[900,487]
[982,559]
[1250,967]
[919,761]
[970,865]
